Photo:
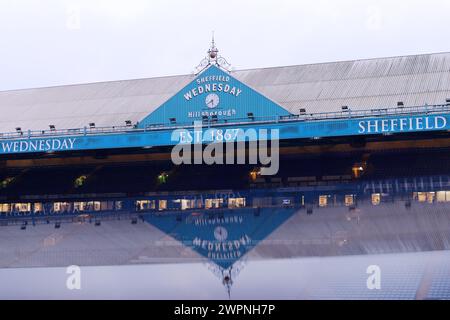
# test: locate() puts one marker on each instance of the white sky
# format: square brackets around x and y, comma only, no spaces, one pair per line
[55,42]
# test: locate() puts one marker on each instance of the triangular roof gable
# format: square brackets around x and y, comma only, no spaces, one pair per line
[214,93]
[222,239]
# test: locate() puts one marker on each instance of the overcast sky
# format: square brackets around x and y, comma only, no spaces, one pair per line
[56,42]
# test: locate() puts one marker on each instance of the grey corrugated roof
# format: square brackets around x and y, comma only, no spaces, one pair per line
[324,87]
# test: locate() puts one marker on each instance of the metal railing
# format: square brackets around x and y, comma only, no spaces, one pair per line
[302,117]
[66,132]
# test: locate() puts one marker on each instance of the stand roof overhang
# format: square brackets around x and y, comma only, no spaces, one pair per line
[268,99]
[326,87]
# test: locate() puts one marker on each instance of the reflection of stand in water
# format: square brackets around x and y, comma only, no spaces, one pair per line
[227,275]
[227,281]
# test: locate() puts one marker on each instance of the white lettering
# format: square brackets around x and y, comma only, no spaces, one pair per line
[394,124]
[6,147]
[436,122]
[419,123]
[372,125]
[402,124]
[33,145]
[38,145]
[384,125]
[72,143]
[427,124]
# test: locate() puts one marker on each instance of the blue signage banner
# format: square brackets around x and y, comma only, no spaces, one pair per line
[140,138]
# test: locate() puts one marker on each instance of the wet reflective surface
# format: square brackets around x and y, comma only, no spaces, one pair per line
[385,239]
[403,276]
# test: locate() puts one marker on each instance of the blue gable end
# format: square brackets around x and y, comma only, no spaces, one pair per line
[216,94]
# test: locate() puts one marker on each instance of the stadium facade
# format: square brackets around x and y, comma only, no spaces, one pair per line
[363,150]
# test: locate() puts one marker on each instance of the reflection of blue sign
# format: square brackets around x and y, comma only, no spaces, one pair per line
[222,238]
[214,93]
